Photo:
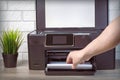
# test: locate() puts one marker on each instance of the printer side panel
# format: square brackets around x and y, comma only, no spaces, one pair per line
[106,60]
[36,52]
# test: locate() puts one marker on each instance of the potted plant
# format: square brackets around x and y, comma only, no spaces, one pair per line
[10,43]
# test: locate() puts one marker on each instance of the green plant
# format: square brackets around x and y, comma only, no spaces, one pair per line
[11,41]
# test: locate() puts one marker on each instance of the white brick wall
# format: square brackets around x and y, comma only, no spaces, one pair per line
[18,14]
[114,9]
[3,5]
[21,14]
[10,15]
[21,5]
[29,16]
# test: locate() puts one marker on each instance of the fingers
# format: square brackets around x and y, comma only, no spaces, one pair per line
[74,66]
[75,58]
[69,59]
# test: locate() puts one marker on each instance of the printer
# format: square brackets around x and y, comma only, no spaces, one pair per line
[54,46]
[49,47]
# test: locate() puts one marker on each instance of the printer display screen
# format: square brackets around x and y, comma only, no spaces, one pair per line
[59,39]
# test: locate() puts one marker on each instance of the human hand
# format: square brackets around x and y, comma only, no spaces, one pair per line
[77,57]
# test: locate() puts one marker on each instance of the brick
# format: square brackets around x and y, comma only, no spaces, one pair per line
[114,4]
[20,57]
[118,48]
[22,26]
[1,28]
[21,5]
[10,15]
[25,56]
[29,15]
[25,35]
[113,14]
[3,5]
[23,48]
[117,55]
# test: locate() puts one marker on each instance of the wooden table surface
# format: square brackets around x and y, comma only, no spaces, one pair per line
[21,72]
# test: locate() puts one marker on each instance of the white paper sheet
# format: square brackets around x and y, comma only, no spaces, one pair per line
[64,65]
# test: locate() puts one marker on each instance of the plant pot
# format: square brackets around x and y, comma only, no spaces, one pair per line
[10,60]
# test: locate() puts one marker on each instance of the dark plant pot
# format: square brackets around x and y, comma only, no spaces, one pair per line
[10,60]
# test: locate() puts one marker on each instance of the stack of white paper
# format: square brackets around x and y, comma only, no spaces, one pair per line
[64,65]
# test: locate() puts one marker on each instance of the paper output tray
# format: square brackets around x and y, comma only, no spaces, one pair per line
[61,68]
[63,65]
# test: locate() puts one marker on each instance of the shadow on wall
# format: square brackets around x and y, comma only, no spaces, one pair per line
[0,36]
[1,29]
[2,8]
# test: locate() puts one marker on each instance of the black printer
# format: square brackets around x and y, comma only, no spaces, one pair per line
[49,47]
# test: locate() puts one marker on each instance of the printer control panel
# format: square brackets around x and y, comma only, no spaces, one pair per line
[59,40]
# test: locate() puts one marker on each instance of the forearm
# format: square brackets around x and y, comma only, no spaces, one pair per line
[107,40]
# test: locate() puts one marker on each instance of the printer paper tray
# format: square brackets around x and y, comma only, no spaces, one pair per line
[64,65]
[61,68]
[68,73]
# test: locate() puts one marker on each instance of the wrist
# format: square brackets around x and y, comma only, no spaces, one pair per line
[87,54]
